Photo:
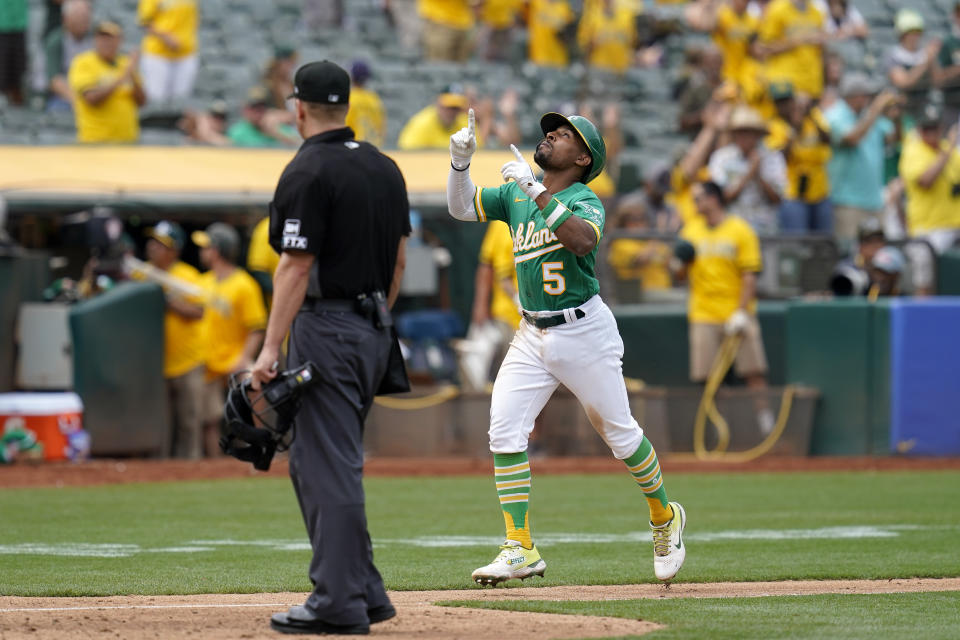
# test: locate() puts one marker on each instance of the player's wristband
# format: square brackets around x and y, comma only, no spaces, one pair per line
[555,214]
[455,168]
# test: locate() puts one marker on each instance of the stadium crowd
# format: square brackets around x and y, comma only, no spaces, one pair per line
[797,142]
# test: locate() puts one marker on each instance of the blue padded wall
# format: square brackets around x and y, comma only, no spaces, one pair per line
[925,376]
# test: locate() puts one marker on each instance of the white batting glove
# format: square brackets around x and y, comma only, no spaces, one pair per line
[463,144]
[520,171]
[736,323]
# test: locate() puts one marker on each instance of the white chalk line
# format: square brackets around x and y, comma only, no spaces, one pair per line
[547,539]
[144,606]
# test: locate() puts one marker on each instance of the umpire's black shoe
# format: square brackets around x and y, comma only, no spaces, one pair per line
[382,613]
[303,623]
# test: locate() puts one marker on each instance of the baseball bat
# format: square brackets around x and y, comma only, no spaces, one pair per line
[175,286]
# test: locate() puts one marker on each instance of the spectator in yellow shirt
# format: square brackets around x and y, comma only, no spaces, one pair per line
[733,26]
[791,38]
[930,169]
[366,117]
[723,285]
[447,29]
[262,260]
[183,341]
[432,126]
[233,335]
[640,264]
[499,20]
[170,62]
[549,24]
[107,89]
[607,35]
[801,133]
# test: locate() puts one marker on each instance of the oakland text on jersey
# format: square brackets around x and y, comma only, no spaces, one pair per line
[532,239]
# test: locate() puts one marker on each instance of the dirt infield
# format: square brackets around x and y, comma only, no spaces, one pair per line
[105,471]
[218,617]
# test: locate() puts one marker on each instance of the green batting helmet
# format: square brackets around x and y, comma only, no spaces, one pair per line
[587,132]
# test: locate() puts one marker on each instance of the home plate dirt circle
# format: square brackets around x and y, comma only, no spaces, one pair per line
[223,616]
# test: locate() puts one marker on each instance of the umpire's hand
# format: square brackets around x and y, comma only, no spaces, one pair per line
[265,368]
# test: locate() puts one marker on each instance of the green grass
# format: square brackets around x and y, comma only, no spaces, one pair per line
[930,616]
[154,517]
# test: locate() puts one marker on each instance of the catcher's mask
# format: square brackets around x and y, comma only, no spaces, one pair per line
[259,422]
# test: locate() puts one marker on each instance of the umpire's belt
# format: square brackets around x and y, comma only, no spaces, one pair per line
[319,305]
[546,322]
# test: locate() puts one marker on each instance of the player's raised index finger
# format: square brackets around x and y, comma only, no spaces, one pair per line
[516,153]
[472,122]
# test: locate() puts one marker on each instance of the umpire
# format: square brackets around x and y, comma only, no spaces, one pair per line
[339,218]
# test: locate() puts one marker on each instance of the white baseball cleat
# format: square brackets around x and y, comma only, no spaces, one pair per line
[668,549]
[513,561]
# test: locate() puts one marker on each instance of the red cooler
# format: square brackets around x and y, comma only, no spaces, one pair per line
[53,420]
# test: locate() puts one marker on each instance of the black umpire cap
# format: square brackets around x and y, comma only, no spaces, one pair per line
[322,83]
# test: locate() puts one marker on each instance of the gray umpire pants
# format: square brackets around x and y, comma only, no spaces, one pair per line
[326,459]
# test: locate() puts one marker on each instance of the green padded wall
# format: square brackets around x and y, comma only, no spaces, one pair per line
[118,370]
[773,325]
[948,273]
[878,425]
[23,276]
[830,347]
[656,345]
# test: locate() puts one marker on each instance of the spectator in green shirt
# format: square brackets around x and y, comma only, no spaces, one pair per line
[13,49]
[262,126]
[949,75]
[60,46]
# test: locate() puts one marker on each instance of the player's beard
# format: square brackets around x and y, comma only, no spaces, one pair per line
[542,155]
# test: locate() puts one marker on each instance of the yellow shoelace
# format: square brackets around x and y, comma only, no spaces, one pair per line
[661,540]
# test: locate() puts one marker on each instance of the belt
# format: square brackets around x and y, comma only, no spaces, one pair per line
[319,305]
[551,321]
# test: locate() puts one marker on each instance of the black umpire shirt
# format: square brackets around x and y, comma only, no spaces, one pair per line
[345,202]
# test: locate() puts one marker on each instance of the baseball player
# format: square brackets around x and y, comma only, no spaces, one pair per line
[568,334]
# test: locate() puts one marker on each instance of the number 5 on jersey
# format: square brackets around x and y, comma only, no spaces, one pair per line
[553,282]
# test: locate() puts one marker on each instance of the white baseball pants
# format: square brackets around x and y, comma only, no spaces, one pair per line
[586,357]
[165,79]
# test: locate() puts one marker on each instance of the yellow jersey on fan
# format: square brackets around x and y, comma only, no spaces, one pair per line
[225,333]
[366,116]
[653,276]
[183,337]
[807,178]
[457,14]
[500,14]
[548,19]
[723,254]
[608,38]
[801,66]
[113,120]
[425,130]
[260,255]
[497,251]
[178,18]
[937,207]
[733,34]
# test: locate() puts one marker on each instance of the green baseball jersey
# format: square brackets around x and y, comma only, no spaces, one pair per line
[549,276]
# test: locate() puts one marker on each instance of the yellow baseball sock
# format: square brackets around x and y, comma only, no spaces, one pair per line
[645,469]
[512,473]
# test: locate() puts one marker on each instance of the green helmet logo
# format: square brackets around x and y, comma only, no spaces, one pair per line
[587,132]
